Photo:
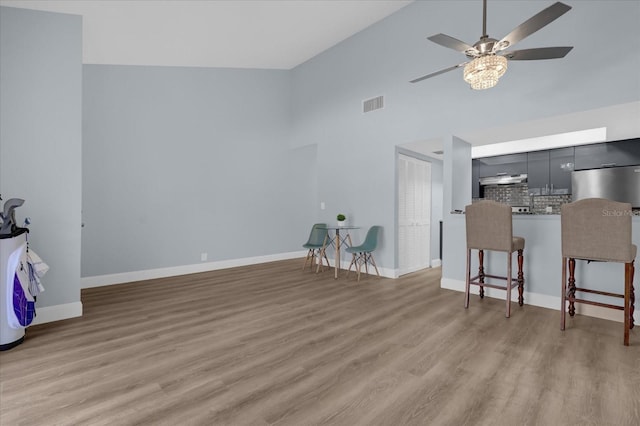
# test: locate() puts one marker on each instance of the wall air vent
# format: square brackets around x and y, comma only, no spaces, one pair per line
[373,104]
[439,152]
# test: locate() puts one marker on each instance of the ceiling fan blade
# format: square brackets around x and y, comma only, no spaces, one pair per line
[451,43]
[532,25]
[539,53]
[433,74]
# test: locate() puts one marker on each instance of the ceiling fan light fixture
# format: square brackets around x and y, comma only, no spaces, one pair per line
[488,56]
[484,72]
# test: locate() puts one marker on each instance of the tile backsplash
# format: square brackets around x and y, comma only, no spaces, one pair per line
[518,195]
[514,195]
[541,202]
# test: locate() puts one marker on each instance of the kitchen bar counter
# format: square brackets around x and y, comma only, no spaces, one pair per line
[636,214]
[543,262]
[517,213]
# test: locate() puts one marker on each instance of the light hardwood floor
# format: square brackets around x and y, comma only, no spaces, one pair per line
[270,344]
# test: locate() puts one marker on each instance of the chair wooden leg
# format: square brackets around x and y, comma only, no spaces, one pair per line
[632,298]
[509,275]
[373,262]
[309,253]
[359,264]
[319,264]
[481,271]
[353,260]
[520,278]
[572,286]
[627,301]
[324,254]
[467,285]
[366,262]
[563,294]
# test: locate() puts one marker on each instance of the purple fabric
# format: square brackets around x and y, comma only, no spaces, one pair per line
[23,308]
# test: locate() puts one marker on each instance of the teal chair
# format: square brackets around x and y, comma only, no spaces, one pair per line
[315,244]
[363,254]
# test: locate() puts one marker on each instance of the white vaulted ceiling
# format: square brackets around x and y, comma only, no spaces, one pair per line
[211,33]
[274,34]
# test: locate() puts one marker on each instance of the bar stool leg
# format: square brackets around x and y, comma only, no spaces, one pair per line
[520,278]
[481,272]
[627,301]
[467,286]
[563,295]
[509,278]
[633,296]
[572,287]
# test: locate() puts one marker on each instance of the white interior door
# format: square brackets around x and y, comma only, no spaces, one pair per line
[414,214]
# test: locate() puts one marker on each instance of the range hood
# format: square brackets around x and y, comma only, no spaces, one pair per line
[503,179]
[615,183]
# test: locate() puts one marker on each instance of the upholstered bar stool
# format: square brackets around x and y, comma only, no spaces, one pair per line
[490,227]
[595,229]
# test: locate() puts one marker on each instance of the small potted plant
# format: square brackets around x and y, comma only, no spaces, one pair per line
[341,219]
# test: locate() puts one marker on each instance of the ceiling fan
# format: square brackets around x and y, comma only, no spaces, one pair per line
[488,57]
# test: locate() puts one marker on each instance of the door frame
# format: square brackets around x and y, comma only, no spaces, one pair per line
[418,158]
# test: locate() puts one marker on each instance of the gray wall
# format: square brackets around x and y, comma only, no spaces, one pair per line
[182,161]
[356,150]
[437,196]
[40,138]
[457,175]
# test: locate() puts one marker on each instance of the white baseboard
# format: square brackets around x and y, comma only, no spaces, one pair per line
[384,272]
[126,277]
[541,300]
[57,312]
[436,263]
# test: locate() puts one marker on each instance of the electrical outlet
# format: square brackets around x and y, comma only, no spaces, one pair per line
[321,205]
[549,209]
[203,257]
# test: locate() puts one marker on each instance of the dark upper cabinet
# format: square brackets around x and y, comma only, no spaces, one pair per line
[538,172]
[475,178]
[561,164]
[510,164]
[549,171]
[609,154]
